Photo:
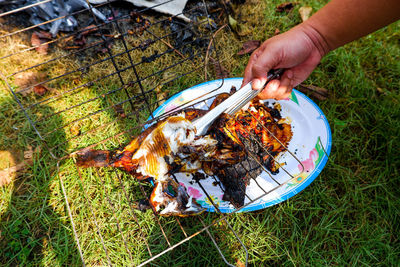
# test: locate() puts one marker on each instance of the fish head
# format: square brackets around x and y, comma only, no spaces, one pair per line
[171,199]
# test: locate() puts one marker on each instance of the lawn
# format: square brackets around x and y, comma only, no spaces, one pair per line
[348,216]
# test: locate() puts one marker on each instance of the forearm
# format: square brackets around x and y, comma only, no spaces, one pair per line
[300,49]
[342,21]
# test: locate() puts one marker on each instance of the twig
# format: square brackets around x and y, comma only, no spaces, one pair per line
[166,43]
[220,71]
[170,46]
[317,92]
[208,49]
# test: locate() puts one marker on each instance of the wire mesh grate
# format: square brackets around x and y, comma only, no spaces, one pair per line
[95,87]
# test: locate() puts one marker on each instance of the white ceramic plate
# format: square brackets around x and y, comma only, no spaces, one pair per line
[311,145]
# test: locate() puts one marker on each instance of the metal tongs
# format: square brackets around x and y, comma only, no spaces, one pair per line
[232,104]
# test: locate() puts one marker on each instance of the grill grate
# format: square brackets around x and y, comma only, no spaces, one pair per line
[114,74]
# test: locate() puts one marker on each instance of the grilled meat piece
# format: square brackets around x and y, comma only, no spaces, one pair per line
[264,126]
[253,137]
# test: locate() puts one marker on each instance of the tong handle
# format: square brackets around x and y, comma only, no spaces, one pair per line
[203,123]
[272,74]
[232,104]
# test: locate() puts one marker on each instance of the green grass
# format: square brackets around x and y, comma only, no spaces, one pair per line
[348,216]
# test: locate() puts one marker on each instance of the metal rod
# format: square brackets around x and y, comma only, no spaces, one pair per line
[131,209]
[70,214]
[215,244]
[93,216]
[23,8]
[290,152]
[103,183]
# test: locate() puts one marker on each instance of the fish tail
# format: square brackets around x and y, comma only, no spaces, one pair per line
[94,158]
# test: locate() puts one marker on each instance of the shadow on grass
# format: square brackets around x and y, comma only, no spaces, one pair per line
[32,232]
[35,226]
[114,230]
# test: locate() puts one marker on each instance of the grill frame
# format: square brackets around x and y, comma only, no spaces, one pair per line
[130,100]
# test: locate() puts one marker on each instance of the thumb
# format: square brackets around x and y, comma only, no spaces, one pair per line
[265,62]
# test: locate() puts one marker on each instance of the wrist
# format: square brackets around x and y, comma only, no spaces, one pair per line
[316,38]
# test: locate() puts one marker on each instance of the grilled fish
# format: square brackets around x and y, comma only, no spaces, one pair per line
[234,149]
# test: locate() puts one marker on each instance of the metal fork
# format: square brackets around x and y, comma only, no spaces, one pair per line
[232,104]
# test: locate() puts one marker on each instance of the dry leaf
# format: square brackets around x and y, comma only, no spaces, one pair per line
[249,46]
[239,263]
[44,35]
[40,89]
[161,96]
[7,159]
[7,175]
[168,76]
[119,109]
[382,91]
[79,40]
[29,78]
[75,129]
[39,40]
[305,12]
[28,154]
[285,7]
[220,71]
[158,88]
[35,41]
[102,49]
[233,23]
[8,164]
[277,31]
[26,81]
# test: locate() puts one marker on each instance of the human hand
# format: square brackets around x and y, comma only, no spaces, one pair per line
[298,51]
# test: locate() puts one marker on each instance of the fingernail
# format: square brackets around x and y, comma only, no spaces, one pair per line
[257,84]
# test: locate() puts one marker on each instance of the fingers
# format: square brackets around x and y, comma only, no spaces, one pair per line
[248,73]
[270,91]
[260,69]
[292,50]
[275,90]
[256,71]
[261,61]
[278,89]
[259,83]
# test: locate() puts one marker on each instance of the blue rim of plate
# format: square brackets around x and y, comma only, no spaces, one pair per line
[294,191]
